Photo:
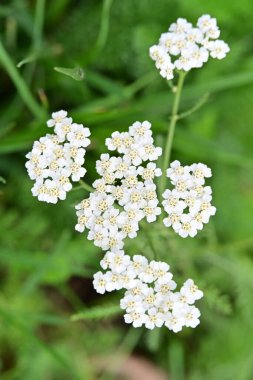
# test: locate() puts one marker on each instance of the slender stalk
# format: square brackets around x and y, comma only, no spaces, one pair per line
[171,131]
[86,186]
[147,235]
[20,84]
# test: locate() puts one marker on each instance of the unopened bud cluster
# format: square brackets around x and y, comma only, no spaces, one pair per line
[185,47]
[150,298]
[188,205]
[126,193]
[58,158]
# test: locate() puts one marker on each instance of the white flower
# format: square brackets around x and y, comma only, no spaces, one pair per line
[176,171]
[138,265]
[199,172]
[197,55]
[63,127]
[57,117]
[151,212]
[154,304]
[78,136]
[191,292]
[123,183]
[113,281]
[130,302]
[154,319]
[174,322]
[54,160]
[165,287]
[99,282]
[115,142]
[140,130]
[180,26]
[191,316]
[150,172]
[185,47]
[189,195]
[173,220]
[188,226]
[167,70]
[218,49]
[194,35]
[206,22]
[136,317]
[118,261]
[137,287]
[172,202]
[147,275]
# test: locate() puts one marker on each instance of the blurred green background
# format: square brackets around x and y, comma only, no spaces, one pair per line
[45,266]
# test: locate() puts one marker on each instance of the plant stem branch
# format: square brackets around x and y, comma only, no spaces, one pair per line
[197,106]
[171,131]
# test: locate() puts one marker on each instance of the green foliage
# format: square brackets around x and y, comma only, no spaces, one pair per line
[46,268]
[76,73]
[97,312]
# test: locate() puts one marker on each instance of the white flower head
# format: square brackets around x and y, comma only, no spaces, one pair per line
[127,181]
[188,205]
[149,298]
[185,46]
[57,158]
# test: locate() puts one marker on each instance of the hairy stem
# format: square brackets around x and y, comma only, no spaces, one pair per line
[171,131]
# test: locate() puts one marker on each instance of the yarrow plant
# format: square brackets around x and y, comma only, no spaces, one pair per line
[185,47]
[189,194]
[131,191]
[56,158]
[149,298]
[126,193]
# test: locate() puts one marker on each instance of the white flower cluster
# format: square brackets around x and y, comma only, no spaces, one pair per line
[57,158]
[188,205]
[185,47]
[126,193]
[150,298]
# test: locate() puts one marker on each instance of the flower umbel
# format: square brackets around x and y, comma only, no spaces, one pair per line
[188,205]
[150,298]
[58,158]
[126,193]
[185,47]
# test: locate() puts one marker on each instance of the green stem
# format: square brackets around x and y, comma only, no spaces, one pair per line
[86,186]
[149,239]
[20,84]
[171,131]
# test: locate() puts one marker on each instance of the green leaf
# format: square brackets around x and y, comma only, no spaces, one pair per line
[76,73]
[97,312]
[28,59]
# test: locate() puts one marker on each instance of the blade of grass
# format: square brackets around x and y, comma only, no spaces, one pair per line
[9,318]
[104,28]
[38,24]
[20,84]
